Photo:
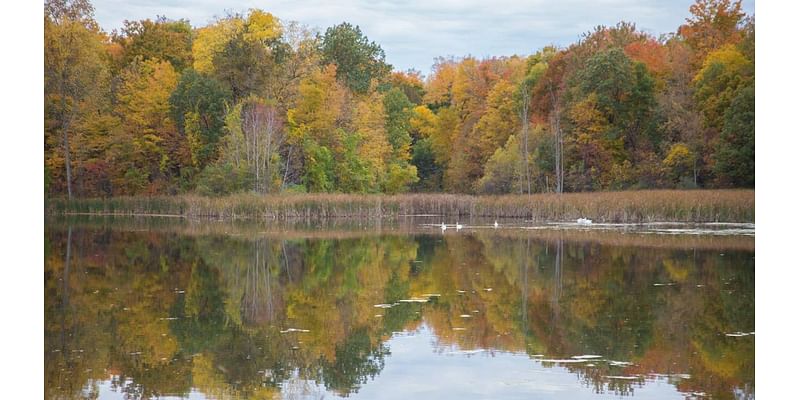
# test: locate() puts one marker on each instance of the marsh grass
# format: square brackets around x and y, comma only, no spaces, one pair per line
[617,207]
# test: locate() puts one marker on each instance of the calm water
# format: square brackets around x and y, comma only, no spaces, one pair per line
[180,310]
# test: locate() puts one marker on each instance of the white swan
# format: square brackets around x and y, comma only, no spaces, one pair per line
[459,226]
[584,221]
[444,227]
[496,225]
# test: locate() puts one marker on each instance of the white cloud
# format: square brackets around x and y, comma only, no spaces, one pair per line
[413,32]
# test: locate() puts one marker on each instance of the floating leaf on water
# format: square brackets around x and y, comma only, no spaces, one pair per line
[739,334]
[295,330]
[664,284]
[619,363]
[461,291]
[488,289]
[414,300]
[432,295]
[465,316]
[378,315]
[459,329]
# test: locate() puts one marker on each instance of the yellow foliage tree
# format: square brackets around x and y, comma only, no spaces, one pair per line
[211,40]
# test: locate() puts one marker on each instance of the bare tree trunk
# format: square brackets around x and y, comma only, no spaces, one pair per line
[256,128]
[526,100]
[286,169]
[559,143]
[67,161]
[270,133]
[65,120]
[560,154]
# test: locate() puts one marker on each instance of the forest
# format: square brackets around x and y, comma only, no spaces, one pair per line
[253,103]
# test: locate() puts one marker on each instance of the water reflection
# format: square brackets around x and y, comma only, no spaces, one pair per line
[159,313]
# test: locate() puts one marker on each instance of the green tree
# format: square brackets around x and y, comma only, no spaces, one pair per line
[319,167]
[358,60]
[401,174]
[202,99]
[503,169]
[735,158]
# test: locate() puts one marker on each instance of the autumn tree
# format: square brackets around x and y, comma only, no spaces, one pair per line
[497,124]
[241,51]
[503,169]
[313,124]
[147,150]
[430,152]
[410,83]
[161,39]
[74,71]
[713,24]
[724,71]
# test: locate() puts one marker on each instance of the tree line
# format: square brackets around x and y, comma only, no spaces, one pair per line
[253,103]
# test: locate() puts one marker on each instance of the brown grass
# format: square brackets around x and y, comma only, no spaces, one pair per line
[628,206]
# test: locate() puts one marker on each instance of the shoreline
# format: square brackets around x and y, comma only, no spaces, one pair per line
[731,205]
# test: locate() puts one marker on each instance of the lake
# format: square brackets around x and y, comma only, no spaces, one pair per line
[170,308]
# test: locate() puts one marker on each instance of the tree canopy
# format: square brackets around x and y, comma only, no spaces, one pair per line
[250,102]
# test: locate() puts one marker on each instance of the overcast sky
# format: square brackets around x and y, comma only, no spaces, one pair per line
[413,33]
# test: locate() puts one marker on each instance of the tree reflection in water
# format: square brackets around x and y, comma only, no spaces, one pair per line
[161,313]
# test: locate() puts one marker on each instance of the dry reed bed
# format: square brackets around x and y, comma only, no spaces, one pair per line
[628,206]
